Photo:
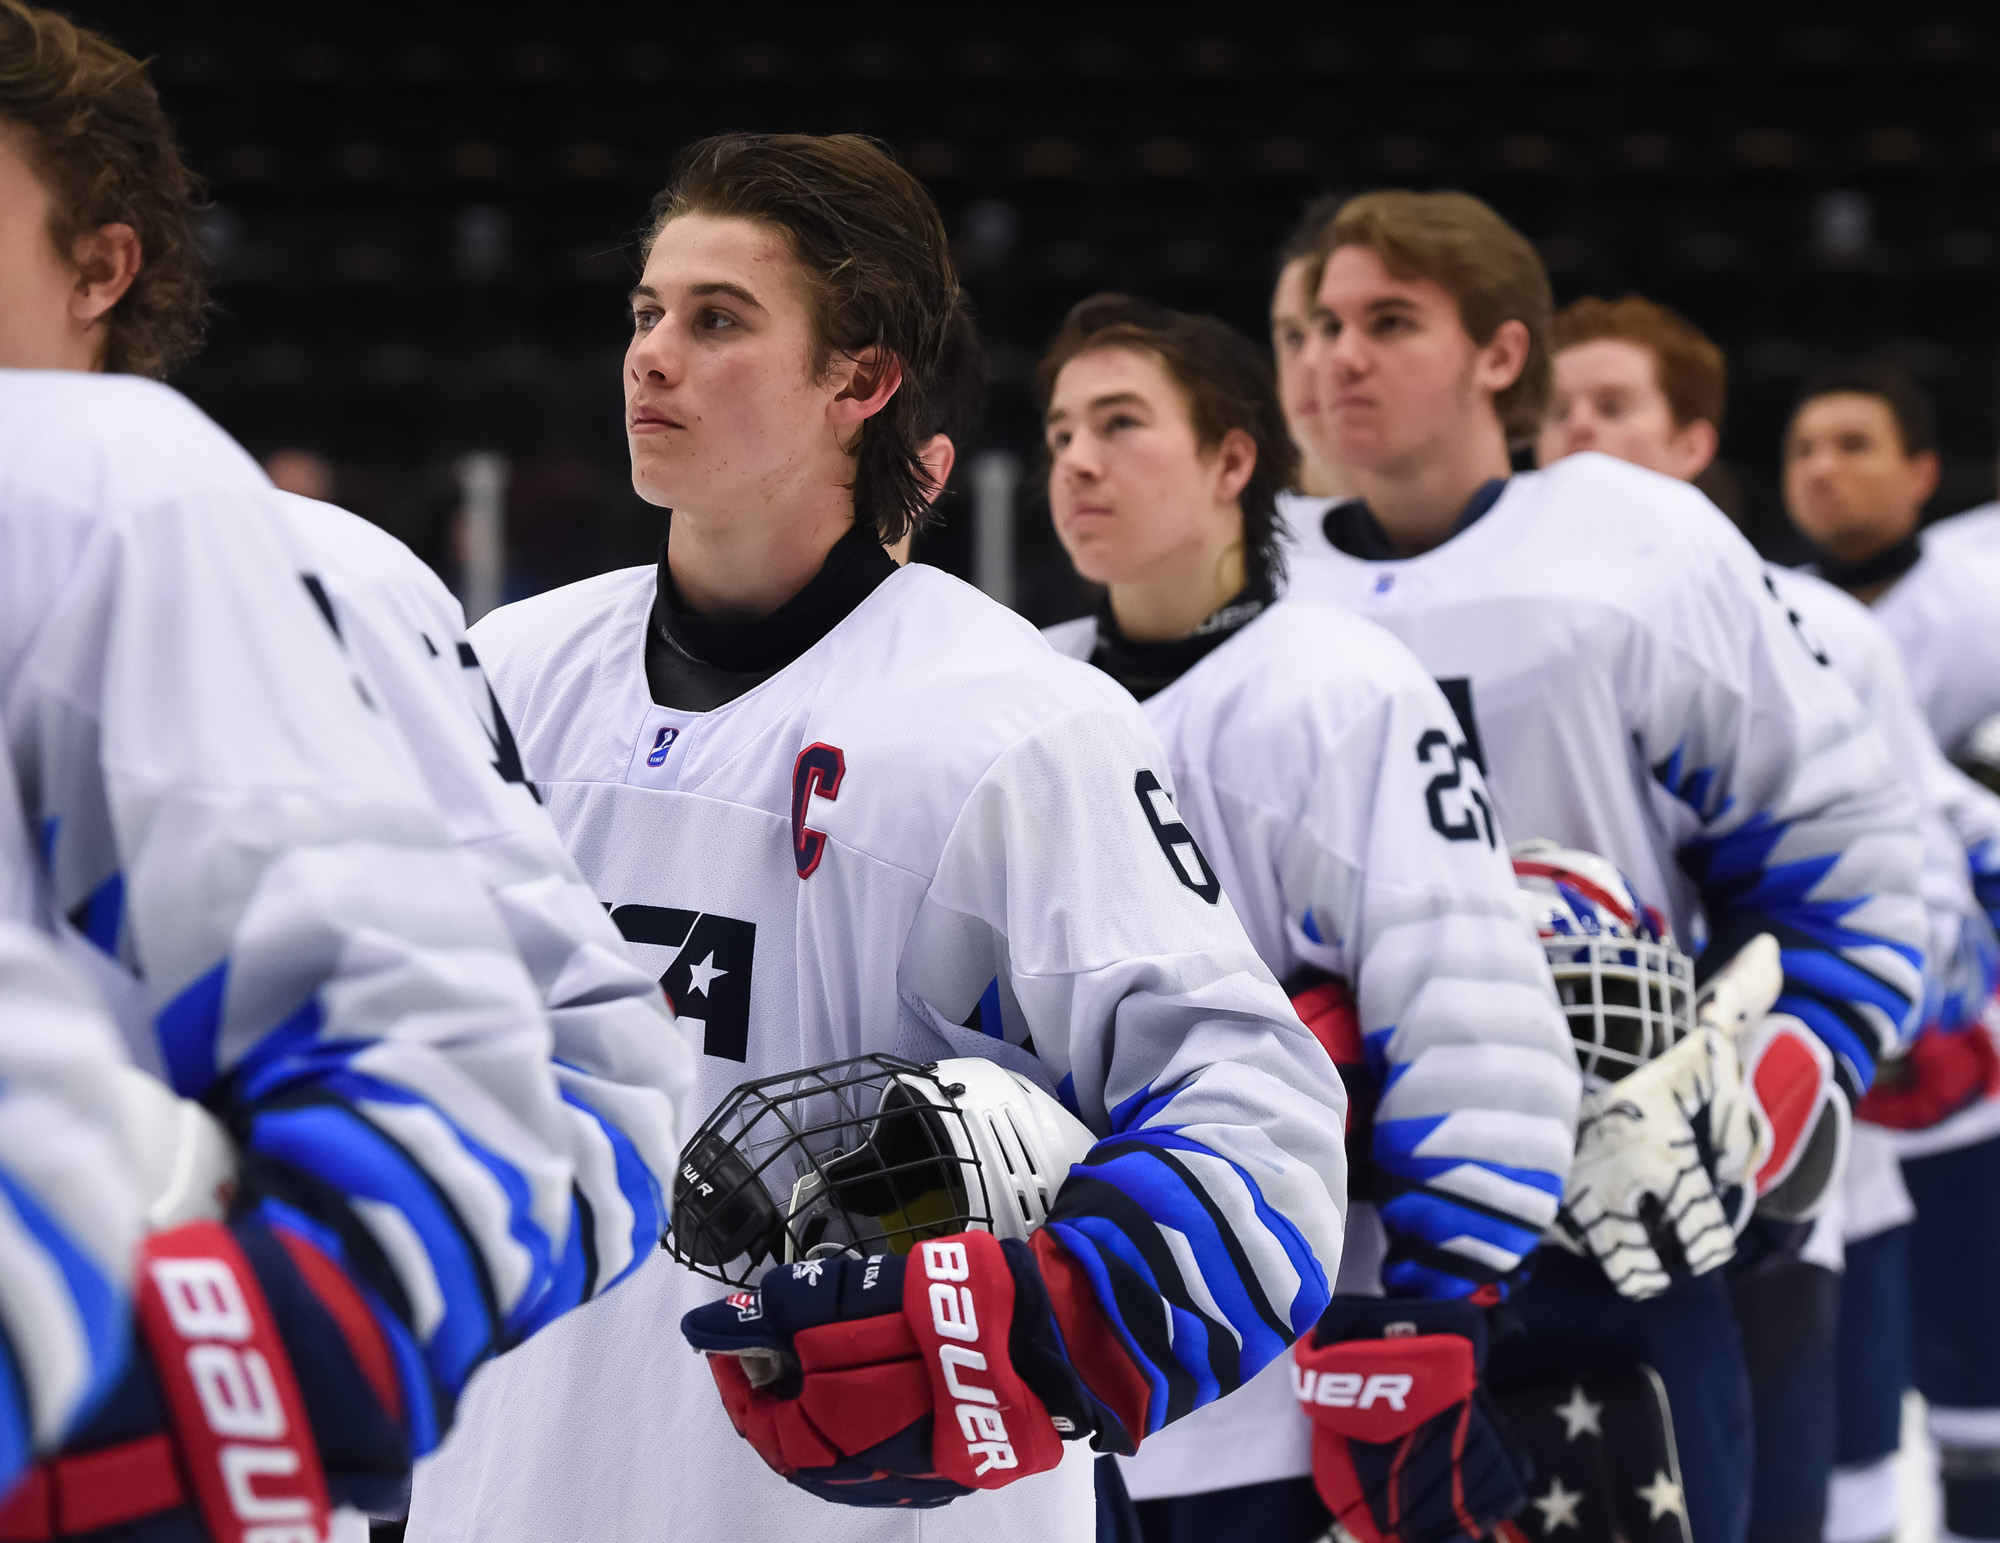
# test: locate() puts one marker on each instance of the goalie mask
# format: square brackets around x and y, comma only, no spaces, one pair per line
[868,1156]
[1626,988]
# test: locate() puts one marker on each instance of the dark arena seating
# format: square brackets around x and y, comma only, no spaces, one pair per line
[424,219]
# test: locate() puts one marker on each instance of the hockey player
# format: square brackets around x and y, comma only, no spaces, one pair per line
[241,853]
[850,807]
[1631,689]
[1640,382]
[1860,461]
[1291,727]
[1319,481]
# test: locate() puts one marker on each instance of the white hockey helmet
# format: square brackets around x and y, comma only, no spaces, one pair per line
[1625,986]
[872,1155]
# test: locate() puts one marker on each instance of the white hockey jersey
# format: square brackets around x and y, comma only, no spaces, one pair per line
[1944,614]
[928,834]
[622,1068]
[241,847]
[1305,750]
[69,1209]
[1630,686]
[1979,525]
[1962,954]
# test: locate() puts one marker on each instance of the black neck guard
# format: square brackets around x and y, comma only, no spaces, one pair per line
[1889,563]
[696,662]
[1144,668]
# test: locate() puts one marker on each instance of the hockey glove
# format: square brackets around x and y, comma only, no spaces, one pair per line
[1407,1446]
[1665,1156]
[895,1381]
[1940,1075]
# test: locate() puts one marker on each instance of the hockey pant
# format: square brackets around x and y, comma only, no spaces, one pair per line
[1788,1312]
[1575,1321]
[1917,1310]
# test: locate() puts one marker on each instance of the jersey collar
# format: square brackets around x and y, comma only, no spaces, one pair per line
[1146,668]
[1890,563]
[1351,527]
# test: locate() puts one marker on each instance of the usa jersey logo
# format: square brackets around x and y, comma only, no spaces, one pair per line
[662,743]
[708,982]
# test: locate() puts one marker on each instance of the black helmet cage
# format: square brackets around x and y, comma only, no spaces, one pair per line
[863,1156]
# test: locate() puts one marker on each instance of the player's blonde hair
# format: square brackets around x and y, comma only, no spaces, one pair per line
[1490,269]
[101,143]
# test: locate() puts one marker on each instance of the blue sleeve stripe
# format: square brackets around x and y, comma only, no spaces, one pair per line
[1842,980]
[1141,1108]
[411,1373]
[1169,1197]
[1841,1039]
[103,1310]
[571,1280]
[1314,1291]
[340,1147]
[636,1182]
[17,1448]
[104,914]
[187,1027]
[1396,1143]
[1080,1238]
[1408,1278]
[1437,1220]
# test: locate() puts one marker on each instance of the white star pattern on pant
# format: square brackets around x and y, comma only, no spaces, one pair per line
[702,976]
[1558,1507]
[1662,1497]
[1580,1415]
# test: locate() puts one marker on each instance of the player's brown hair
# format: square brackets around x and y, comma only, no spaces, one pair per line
[1227,383]
[1490,268]
[879,266]
[102,145]
[1689,369]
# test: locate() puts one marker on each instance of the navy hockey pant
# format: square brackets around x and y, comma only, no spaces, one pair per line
[1789,1316]
[1576,1321]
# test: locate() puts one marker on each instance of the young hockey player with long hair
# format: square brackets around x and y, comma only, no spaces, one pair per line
[290,861]
[1292,729]
[848,807]
[1630,689]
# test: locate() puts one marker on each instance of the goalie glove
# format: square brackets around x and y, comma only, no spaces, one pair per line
[894,1381]
[1661,1185]
[1407,1446]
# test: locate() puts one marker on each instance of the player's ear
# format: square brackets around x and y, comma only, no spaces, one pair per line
[1235,462]
[1924,475]
[1504,356]
[872,377]
[1694,445]
[939,455]
[106,260]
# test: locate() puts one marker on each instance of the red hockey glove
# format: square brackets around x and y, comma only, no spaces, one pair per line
[905,1382]
[230,1441]
[1407,1447]
[1937,1077]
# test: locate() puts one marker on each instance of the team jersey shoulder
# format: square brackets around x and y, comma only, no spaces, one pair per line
[1073,639]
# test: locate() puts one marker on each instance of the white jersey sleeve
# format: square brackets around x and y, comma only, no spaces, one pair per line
[223,811]
[1209,1217]
[1945,621]
[69,1208]
[1961,956]
[622,1066]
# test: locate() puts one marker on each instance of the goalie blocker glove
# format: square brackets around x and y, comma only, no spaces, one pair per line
[1407,1446]
[894,1381]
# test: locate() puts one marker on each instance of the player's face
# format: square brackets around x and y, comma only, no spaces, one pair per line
[1607,397]
[36,284]
[1396,374]
[1849,487]
[722,410]
[1129,484]
[1291,320]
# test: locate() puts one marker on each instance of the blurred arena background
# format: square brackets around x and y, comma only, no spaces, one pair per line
[424,219]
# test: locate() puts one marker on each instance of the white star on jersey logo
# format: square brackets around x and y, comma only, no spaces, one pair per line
[1558,1507]
[702,976]
[1579,1415]
[1662,1497]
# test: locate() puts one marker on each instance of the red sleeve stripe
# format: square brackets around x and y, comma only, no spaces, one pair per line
[343,1303]
[1095,1350]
